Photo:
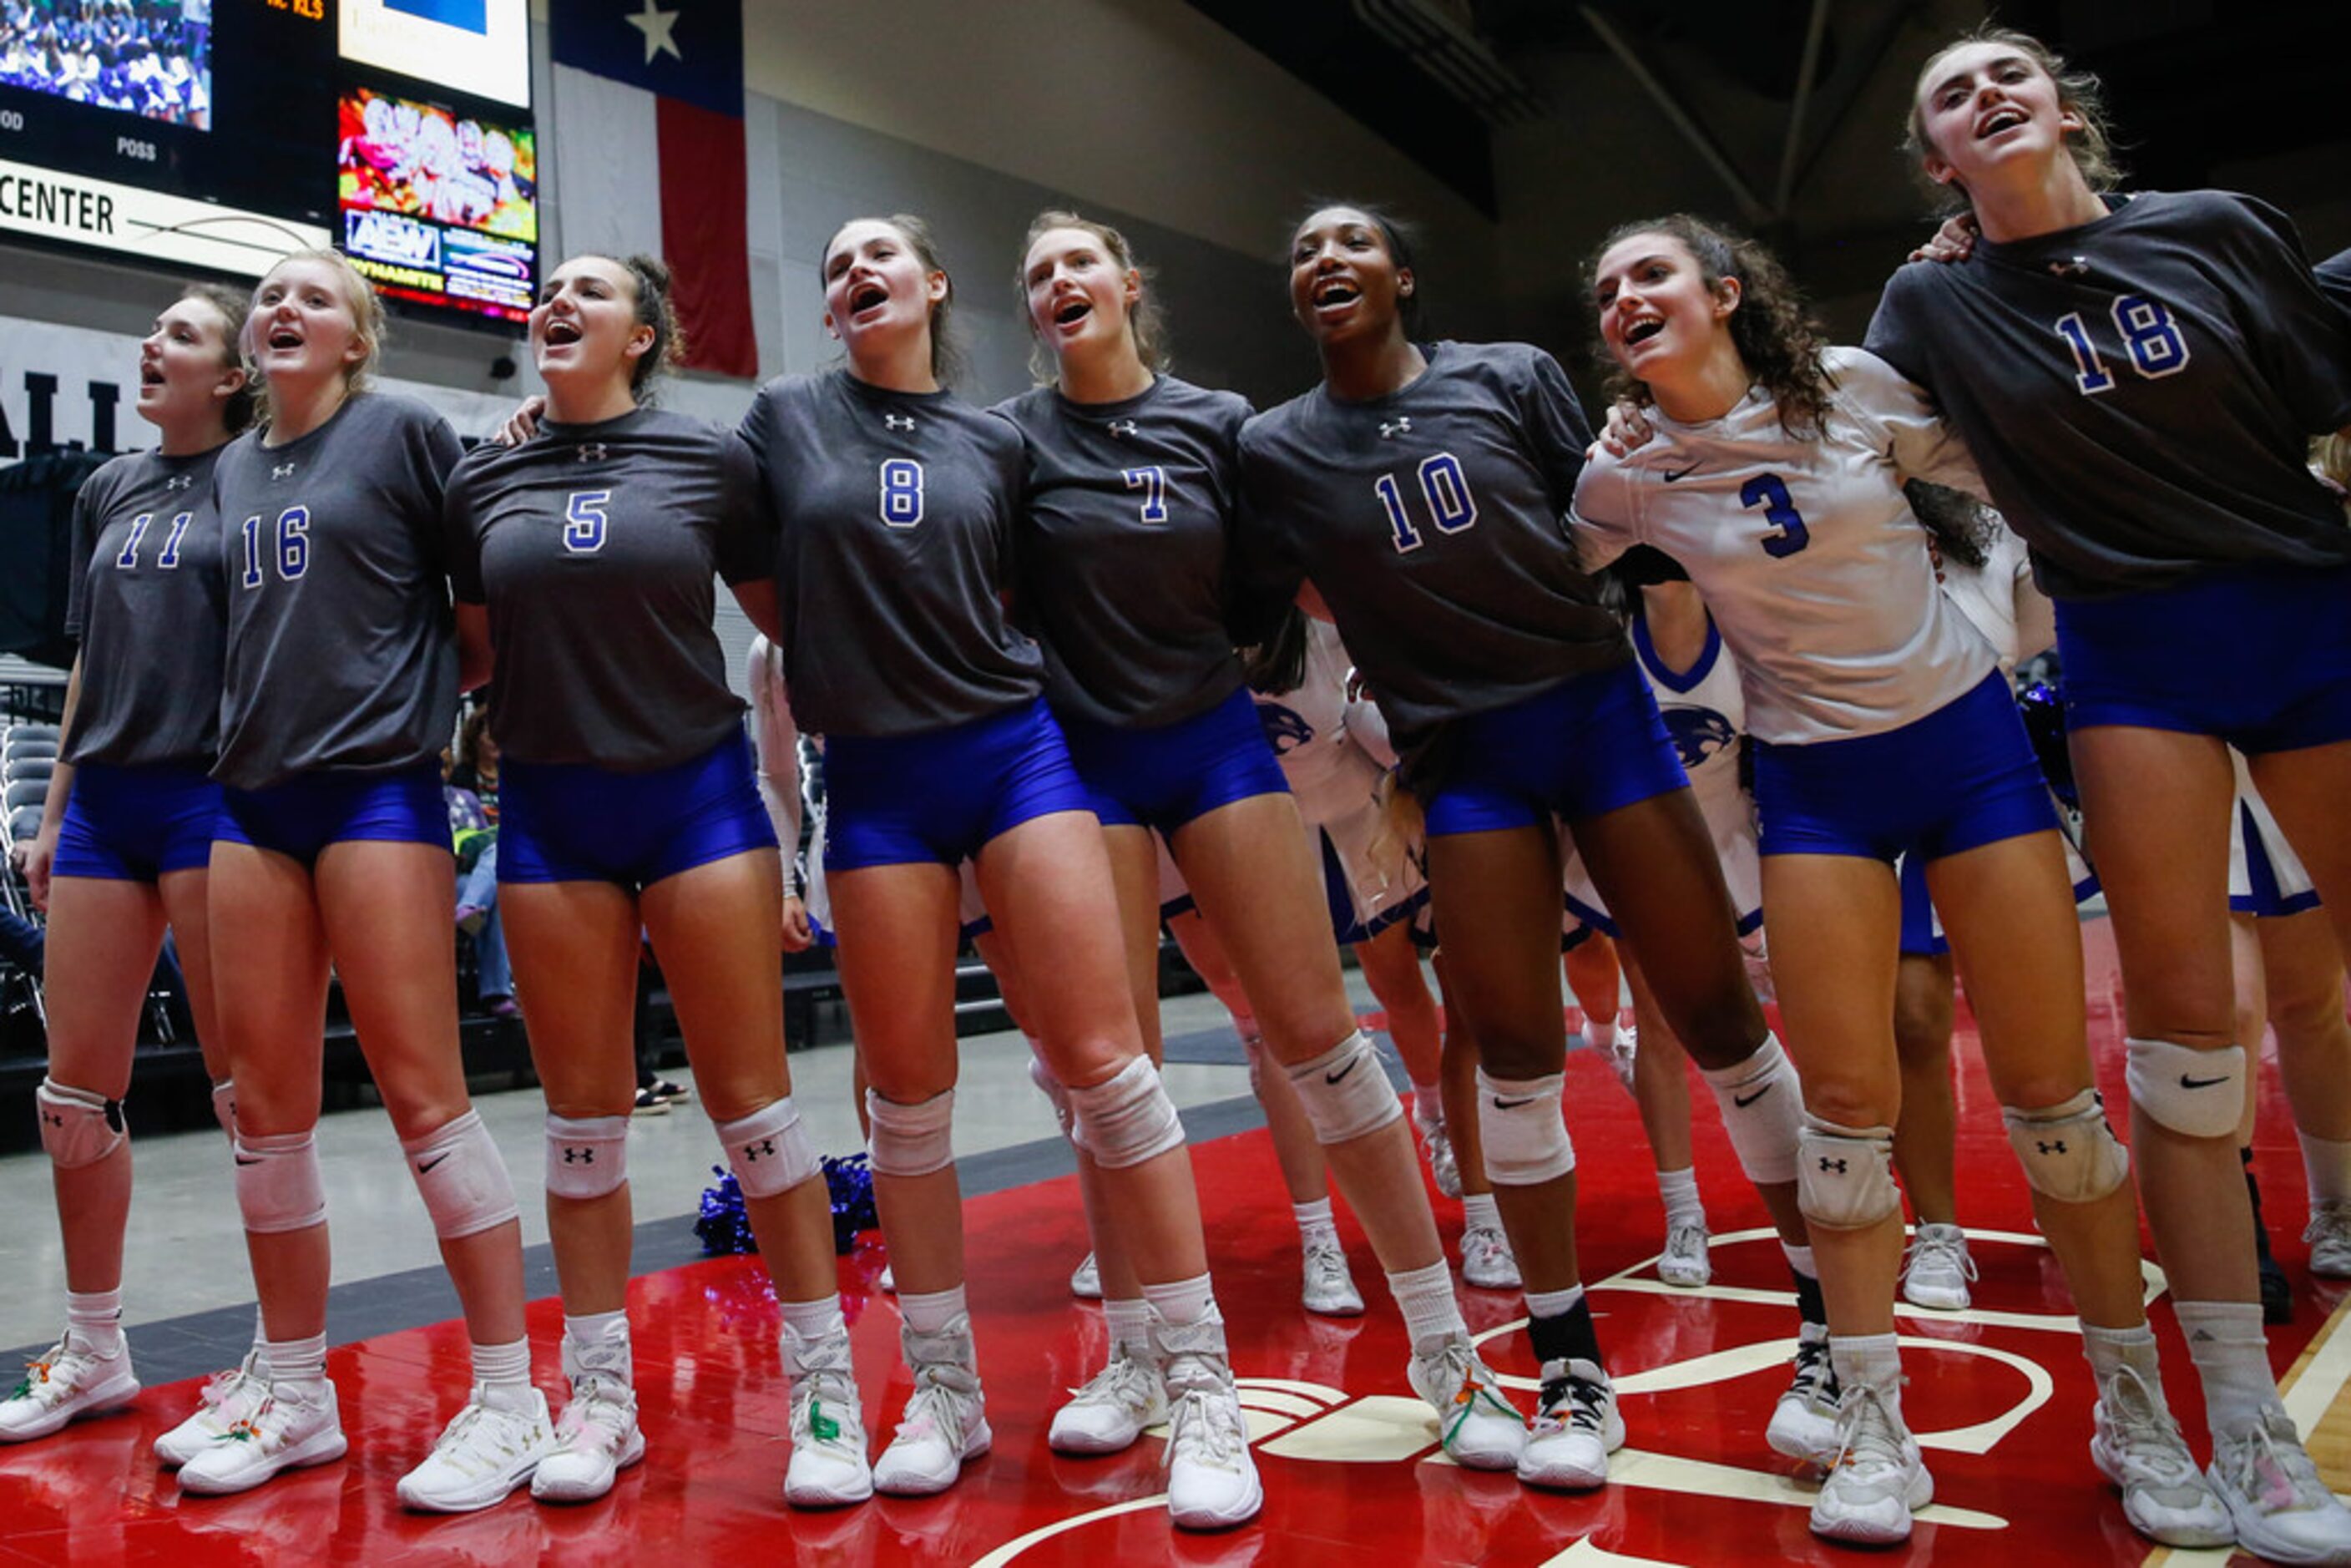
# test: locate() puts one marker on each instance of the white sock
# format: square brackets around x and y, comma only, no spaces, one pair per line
[2326,1163]
[1428,1104]
[930,1312]
[1679,1189]
[1182,1301]
[1871,1361]
[94,1321]
[1315,1226]
[1599,1033]
[817,1319]
[1554,1303]
[2230,1351]
[300,1364]
[2111,1350]
[599,1342]
[503,1374]
[1130,1326]
[1478,1213]
[1425,1296]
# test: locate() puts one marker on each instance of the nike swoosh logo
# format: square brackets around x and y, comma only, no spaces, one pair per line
[424,1165]
[2187,1082]
[1744,1100]
[1671,475]
[1334,1077]
[1514,1104]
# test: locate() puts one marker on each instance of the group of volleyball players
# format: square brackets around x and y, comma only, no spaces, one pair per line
[1016,632]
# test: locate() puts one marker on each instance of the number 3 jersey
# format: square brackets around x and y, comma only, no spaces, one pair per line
[595,547]
[1804,549]
[146,602]
[2139,389]
[896,512]
[340,648]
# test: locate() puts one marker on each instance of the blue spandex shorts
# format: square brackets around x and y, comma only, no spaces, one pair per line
[1590,745]
[1963,776]
[2260,656]
[135,824]
[1163,778]
[307,812]
[938,796]
[560,822]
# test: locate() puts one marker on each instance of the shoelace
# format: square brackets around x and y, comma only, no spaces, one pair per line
[2264,1459]
[37,1372]
[1326,1268]
[220,1386]
[1687,1241]
[1490,1245]
[592,1405]
[1815,1377]
[1950,1251]
[1585,1402]
[936,1405]
[1458,1369]
[1204,1429]
[2327,1218]
[1122,1382]
[812,1396]
[1866,1430]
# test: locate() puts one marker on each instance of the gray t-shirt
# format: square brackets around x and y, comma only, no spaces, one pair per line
[2139,391]
[1123,550]
[896,513]
[1431,521]
[594,547]
[149,602]
[340,649]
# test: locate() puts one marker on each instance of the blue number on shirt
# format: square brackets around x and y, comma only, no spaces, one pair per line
[2155,347]
[129,556]
[583,520]
[252,531]
[1408,537]
[1443,486]
[1153,482]
[1765,491]
[170,559]
[902,492]
[293,542]
[2090,374]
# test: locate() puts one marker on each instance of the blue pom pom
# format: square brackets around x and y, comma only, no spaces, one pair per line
[724,1224]
[850,1182]
[2044,711]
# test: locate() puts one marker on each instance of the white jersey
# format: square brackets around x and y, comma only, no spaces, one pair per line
[1999,598]
[1805,550]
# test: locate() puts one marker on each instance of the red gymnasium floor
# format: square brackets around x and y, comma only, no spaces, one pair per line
[1999,1395]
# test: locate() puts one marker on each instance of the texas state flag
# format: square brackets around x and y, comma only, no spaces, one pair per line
[649,97]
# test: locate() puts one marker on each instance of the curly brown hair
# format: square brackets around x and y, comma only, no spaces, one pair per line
[1773,328]
[2078,93]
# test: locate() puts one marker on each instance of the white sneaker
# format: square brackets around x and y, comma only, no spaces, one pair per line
[945,1422]
[1684,1264]
[66,1382]
[1878,1479]
[1935,1273]
[1112,1410]
[1575,1429]
[595,1440]
[2281,1509]
[1329,1289]
[1443,1167]
[1804,1423]
[2329,1235]
[1211,1479]
[2137,1445]
[828,1468]
[484,1452]
[886,1281]
[228,1397]
[1486,1260]
[1481,1430]
[1621,1052]
[1085,1280]
[285,1431]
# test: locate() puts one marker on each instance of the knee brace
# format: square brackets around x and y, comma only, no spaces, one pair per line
[1762,1109]
[769,1149]
[2196,1093]
[910,1140]
[1127,1118]
[225,1106]
[1526,1140]
[1052,1089]
[277,1183]
[2068,1151]
[1845,1176]
[78,1126]
[1345,1092]
[587,1156]
[461,1179]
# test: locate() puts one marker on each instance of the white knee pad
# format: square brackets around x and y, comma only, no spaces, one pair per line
[2068,1151]
[587,1156]
[1052,1089]
[1518,1120]
[770,1149]
[1762,1109]
[277,1183]
[1845,1176]
[461,1179]
[910,1140]
[2196,1093]
[1345,1092]
[225,1106]
[1127,1117]
[78,1126]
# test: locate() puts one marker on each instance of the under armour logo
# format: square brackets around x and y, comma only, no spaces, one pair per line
[2056,1148]
[897,421]
[1836,1167]
[764,1146]
[578,1156]
[2073,267]
[1120,427]
[591,452]
[1394,427]
[52,1119]
[281,471]
[179,482]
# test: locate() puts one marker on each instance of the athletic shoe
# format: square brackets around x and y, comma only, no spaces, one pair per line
[285,1431]
[1329,1289]
[1112,1410]
[228,1397]
[650,1105]
[2281,1509]
[68,1383]
[1211,1479]
[595,1440]
[1684,1263]
[944,1424]
[484,1452]
[1085,1280]
[1486,1260]
[2329,1235]
[670,1093]
[1935,1273]
[1443,1168]
[2137,1445]
[1576,1427]
[1621,1052]
[828,1468]
[1877,1480]
[1481,1430]
[1804,1423]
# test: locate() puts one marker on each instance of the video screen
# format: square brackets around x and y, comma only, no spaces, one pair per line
[480,47]
[439,207]
[152,58]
